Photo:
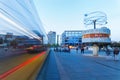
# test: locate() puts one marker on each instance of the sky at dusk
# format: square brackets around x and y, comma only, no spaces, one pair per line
[60,15]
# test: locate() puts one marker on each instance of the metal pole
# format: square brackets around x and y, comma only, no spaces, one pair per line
[94,24]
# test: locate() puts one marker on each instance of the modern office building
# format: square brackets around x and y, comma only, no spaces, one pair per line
[71,37]
[52,37]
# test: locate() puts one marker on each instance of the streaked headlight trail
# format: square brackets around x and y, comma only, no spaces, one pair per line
[19,26]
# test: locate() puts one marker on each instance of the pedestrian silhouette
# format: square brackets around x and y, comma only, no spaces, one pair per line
[82,49]
[116,52]
[77,49]
[107,52]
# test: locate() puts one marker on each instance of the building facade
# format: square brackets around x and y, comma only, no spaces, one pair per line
[71,37]
[52,37]
[99,35]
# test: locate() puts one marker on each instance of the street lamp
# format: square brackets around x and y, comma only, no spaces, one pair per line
[95,18]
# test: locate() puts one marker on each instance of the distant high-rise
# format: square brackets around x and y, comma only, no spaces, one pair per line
[52,37]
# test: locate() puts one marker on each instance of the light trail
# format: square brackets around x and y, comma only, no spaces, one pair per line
[14,16]
[2,76]
[19,27]
[4,28]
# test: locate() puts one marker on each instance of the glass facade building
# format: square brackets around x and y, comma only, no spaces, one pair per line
[21,18]
[99,35]
[72,37]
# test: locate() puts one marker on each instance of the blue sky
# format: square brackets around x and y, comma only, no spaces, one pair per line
[60,15]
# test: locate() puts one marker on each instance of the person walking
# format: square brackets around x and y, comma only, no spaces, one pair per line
[107,52]
[69,49]
[76,49]
[82,49]
[115,53]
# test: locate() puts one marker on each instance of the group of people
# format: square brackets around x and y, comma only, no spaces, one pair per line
[62,49]
[82,49]
[108,52]
[115,52]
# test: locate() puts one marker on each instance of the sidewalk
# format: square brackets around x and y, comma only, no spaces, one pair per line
[77,66]
[107,61]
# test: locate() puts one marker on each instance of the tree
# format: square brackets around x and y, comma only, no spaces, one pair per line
[115,44]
